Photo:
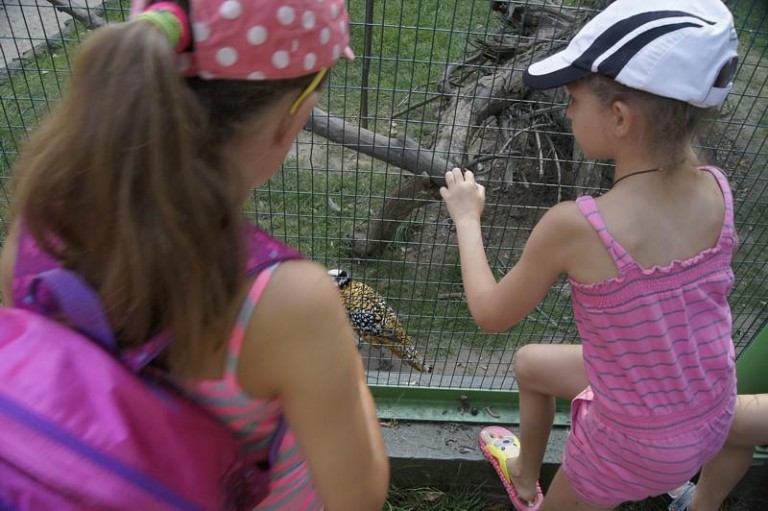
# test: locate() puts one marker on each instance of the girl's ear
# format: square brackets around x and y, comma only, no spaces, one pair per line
[291,124]
[623,118]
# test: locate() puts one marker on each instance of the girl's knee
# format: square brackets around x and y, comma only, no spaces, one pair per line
[750,421]
[527,363]
[556,370]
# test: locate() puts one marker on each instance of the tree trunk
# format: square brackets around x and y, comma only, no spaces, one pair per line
[411,194]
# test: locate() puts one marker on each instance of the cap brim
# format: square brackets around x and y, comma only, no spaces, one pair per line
[554,71]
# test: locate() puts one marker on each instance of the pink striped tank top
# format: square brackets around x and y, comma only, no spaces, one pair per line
[256,420]
[657,342]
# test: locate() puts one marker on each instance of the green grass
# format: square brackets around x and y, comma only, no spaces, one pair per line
[750,20]
[412,42]
[28,90]
[418,499]
[31,87]
[25,98]
[473,499]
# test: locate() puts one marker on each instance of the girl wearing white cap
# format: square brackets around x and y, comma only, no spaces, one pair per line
[140,177]
[653,383]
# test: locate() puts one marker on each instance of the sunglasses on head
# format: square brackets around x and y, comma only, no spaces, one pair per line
[313,85]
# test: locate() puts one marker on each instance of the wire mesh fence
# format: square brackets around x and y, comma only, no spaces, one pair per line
[436,83]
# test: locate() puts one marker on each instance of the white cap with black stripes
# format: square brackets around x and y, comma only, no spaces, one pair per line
[680,49]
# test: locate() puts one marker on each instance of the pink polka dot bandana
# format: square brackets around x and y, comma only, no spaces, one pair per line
[263,40]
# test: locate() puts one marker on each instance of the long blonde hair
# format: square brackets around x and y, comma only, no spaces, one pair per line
[123,183]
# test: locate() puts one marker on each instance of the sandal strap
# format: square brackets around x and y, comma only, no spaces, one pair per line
[683,498]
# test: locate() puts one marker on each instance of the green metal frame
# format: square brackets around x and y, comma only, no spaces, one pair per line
[752,364]
[439,404]
[434,404]
[454,405]
[753,377]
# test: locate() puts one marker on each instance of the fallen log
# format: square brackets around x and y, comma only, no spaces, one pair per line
[402,152]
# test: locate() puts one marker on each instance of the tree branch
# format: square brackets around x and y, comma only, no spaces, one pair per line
[403,153]
[83,14]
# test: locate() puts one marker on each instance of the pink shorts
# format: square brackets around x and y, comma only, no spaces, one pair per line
[608,464]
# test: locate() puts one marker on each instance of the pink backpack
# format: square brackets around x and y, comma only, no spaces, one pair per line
[85,427]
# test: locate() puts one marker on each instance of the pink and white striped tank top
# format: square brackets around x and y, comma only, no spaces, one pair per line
[256,420]
[657,342]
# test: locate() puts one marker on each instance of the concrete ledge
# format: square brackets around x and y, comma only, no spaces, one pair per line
[445,455]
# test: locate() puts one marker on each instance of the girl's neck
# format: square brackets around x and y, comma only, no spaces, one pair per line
[647,160]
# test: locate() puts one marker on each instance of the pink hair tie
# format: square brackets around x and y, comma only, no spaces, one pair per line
[172,20]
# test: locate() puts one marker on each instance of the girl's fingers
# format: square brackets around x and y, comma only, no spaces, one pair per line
[456,175]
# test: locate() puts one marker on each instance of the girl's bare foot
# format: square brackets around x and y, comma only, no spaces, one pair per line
[506,449]
[526,486]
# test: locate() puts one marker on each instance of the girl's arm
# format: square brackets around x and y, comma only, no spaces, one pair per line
[7,261]
[302,346]
[497,306]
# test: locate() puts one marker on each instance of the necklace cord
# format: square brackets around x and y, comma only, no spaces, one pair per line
[658,169]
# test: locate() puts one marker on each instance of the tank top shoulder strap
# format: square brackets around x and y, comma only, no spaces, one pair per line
[588,207]
[728,234]
[235,343]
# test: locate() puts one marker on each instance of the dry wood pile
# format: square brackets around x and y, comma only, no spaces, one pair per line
[488,121]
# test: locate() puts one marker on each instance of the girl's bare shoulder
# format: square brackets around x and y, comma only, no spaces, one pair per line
[565,221]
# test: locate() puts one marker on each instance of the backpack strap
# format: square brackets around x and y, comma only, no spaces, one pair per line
[31,260]
[64,293]
[264,250]
[42,285]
